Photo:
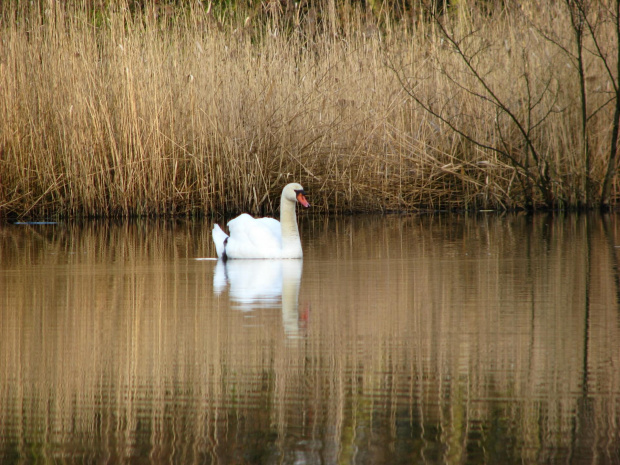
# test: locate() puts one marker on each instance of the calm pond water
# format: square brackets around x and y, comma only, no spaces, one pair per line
[398,339]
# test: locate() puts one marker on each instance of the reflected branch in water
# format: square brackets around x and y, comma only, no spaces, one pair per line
[613,257]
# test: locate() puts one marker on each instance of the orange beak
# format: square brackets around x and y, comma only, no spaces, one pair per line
[301,198]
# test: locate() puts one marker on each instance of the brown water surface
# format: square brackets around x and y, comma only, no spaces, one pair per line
[398,339]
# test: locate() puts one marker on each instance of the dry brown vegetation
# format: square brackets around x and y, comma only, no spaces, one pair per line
[118,111]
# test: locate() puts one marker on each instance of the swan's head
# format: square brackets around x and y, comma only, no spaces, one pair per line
[294,192]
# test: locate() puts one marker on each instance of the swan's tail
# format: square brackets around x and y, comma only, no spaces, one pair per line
[219,238]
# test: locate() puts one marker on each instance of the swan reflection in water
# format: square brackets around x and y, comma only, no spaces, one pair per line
[256,284]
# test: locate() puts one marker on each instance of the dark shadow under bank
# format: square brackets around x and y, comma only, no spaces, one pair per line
[16,217]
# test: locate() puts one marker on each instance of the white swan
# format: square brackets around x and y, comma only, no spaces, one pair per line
[264,237]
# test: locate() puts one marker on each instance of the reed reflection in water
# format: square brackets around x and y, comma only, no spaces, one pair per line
[405,339]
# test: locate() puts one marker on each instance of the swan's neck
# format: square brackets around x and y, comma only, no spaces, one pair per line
[291,244]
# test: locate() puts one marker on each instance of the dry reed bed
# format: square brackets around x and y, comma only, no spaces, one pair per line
[129,114]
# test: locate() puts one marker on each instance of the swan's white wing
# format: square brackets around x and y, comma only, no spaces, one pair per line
[254,238]
[273,225]
[219,237]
